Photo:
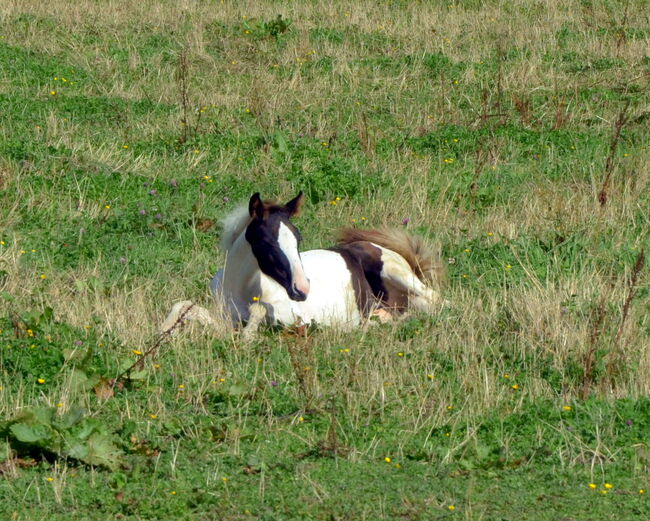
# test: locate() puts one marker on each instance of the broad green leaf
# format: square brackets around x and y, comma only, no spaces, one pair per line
[31,433]
[71,418]
[76,449]
[237,389]
[80,381]
[173,426]
[87,428]
[138,375]
[126,364]
[102,451]
[35,416]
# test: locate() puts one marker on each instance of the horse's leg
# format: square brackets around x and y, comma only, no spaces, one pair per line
[256,315]
[398,277]
[184,311]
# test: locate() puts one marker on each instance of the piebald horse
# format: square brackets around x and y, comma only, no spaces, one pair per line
[266,279]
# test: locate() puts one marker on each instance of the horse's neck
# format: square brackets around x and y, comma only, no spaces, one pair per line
[242,272]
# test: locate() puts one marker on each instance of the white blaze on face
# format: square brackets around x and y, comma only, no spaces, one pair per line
[289,246]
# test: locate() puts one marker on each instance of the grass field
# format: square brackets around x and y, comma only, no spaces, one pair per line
[513,134]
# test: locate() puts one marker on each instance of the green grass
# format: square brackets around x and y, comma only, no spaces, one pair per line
[485,128]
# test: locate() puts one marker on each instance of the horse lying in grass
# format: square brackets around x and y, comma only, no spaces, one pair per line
[267,279]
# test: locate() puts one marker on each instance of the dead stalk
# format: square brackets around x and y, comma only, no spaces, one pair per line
[609,164]
[152,349]
[182,76]
[596,320]
[618,354]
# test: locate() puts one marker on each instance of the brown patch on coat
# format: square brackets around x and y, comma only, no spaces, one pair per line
[364,263]
[419,256]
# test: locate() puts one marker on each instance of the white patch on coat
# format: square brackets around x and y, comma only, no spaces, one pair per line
[331,300]
[289,246]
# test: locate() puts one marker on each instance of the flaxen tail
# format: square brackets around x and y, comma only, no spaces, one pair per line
[424,260]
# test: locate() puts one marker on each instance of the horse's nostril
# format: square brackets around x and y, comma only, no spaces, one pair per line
[297,295]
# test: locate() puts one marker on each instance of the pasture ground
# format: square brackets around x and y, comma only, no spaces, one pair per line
[512,134]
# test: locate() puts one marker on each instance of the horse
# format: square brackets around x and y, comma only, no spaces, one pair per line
[266,279]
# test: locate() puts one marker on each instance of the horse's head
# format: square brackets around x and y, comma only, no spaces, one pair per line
[274,241]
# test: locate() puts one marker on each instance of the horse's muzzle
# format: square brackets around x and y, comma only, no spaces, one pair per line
[296,294]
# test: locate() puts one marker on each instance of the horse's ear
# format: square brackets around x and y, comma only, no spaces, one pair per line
[256,206]
[295,204]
